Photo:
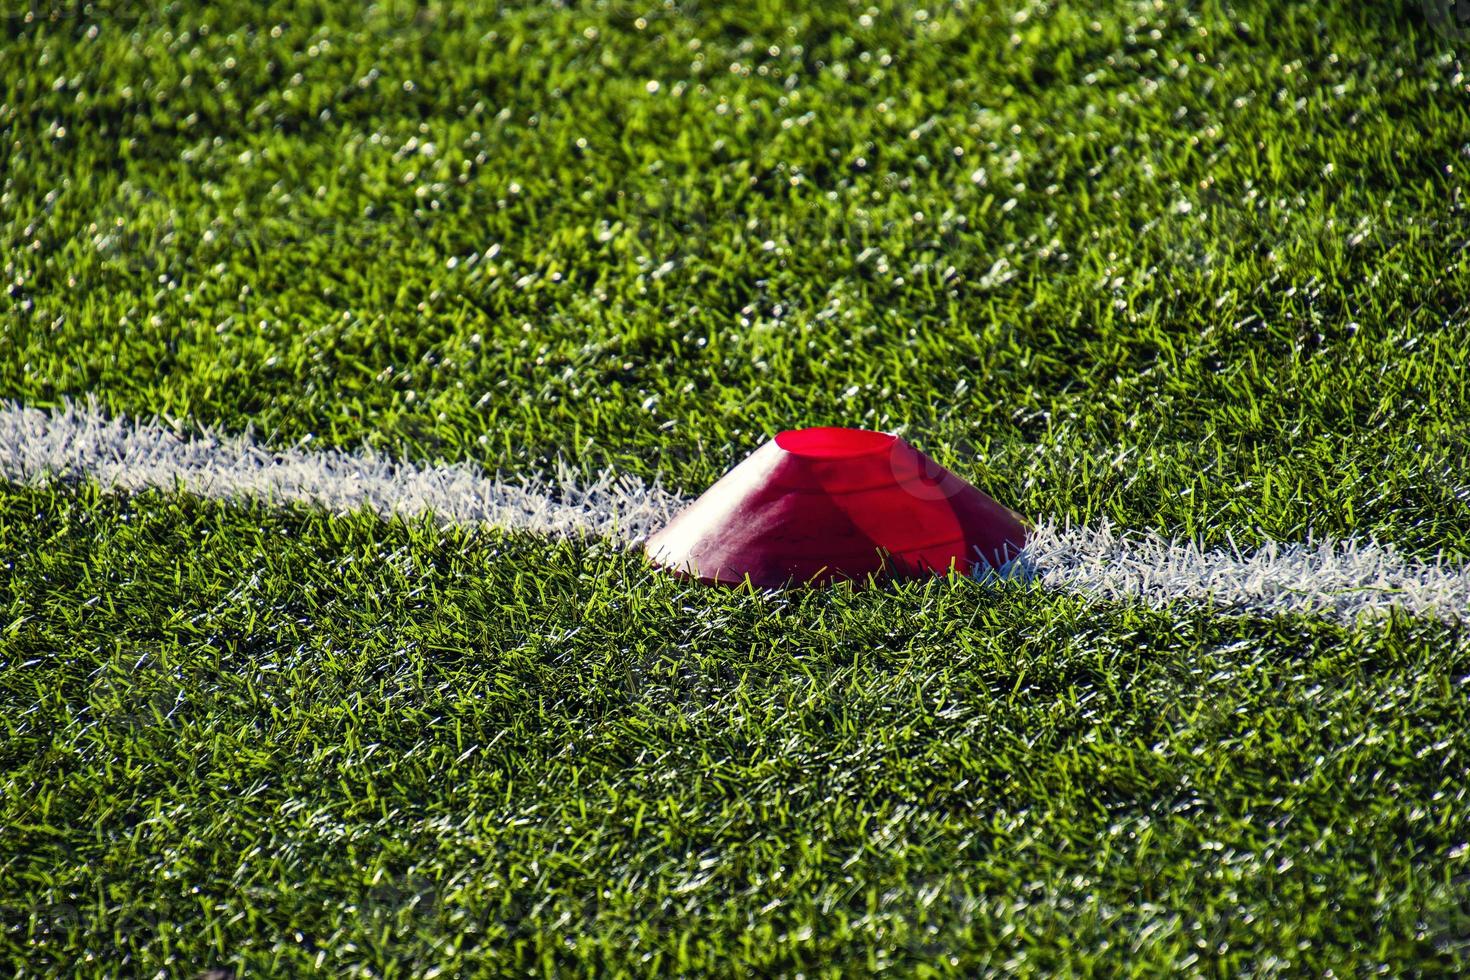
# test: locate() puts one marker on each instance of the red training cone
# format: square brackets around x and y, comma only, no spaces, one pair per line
[814,505]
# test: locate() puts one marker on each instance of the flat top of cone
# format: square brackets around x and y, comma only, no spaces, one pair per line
[815,505]
[828,442]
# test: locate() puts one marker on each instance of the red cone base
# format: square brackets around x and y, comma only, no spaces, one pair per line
[816,505]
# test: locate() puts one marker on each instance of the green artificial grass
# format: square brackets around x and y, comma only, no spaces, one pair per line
[1207,262]
[283,741]
[1199,268]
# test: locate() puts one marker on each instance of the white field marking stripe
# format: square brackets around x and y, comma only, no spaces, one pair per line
[1334,578]
[1339,579]
[77,441]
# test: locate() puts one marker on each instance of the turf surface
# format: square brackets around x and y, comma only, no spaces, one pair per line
[1197,268]
[292,741]
[1192,267]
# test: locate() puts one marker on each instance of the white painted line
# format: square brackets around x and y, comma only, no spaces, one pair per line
[1338,579]
[82,442]
[1333,578]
